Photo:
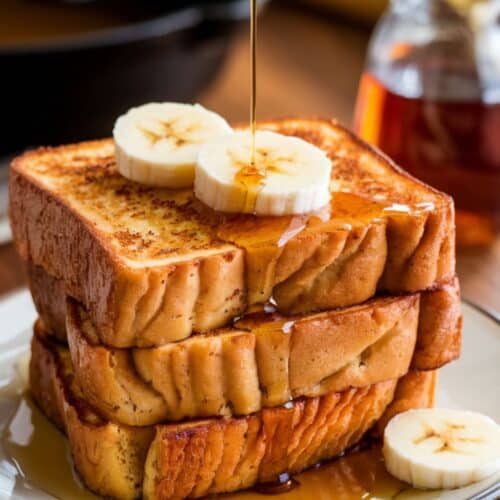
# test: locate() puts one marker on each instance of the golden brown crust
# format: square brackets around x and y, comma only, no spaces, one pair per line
[277,358]
[44,380]
[242,371]
[417,390]
[210,456]
[49,296]
[109,458]
[281,440]
[440,318]
[440,329]
[68,217]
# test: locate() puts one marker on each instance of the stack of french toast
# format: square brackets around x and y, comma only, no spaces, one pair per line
[186,352]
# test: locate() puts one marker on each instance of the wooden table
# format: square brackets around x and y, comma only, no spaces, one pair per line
[309,65]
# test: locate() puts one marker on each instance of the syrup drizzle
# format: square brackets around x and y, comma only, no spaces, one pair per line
[250,175]
[253,73]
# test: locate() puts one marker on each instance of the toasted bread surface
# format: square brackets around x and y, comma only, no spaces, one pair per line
[193,459]
[109,458]
[240,372]
[152,265]
[416,390]
[262,361]
[440,327]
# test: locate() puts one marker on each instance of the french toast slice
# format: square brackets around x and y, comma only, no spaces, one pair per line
[264,360]
[152,266]
[197,458]
[240,372]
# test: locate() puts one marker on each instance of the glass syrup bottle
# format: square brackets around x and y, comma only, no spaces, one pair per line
[430,99]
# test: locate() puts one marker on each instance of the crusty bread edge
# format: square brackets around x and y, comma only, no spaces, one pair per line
[115,304]
[108,475]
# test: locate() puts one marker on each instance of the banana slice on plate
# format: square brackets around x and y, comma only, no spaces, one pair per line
[158,143]
[441,449]
[288,176]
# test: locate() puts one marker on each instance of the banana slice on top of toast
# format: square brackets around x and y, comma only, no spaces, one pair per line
[157,144]
[288,175]
[177,145]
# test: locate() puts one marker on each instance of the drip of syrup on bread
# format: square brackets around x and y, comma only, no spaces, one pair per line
[252,232]
[266,237]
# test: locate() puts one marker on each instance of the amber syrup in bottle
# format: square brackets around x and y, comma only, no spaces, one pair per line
[451,144]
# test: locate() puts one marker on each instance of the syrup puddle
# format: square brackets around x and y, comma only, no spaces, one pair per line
[358,475]
[41,454]
[35,458]
[34,455]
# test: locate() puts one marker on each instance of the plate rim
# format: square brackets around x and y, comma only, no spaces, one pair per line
[490,313]
[489,493]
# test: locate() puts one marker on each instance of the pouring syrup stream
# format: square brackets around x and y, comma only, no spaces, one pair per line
[253,76]
[249,175]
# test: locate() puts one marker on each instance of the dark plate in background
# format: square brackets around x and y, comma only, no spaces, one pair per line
[73,87]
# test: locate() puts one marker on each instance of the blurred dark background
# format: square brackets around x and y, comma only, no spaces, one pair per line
[70,67]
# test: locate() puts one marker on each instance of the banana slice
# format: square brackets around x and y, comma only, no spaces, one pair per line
[289,176]
[441,449]
[157,144]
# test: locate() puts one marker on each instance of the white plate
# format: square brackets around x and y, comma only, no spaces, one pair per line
[473,382]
